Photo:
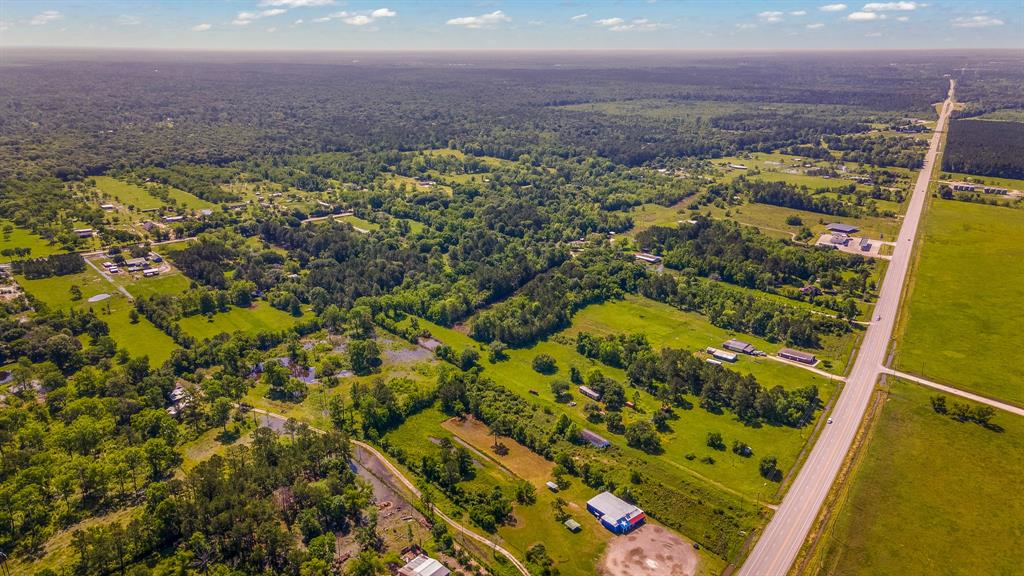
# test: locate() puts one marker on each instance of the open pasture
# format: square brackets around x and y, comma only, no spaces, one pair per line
[931,495]
[960,327]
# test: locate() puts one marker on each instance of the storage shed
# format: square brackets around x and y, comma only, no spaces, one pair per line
[798,356]
[595,439]
[615,513]
[842,228]
[739,346]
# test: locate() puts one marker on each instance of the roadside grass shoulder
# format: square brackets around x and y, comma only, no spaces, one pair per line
[961,321]
[931,495]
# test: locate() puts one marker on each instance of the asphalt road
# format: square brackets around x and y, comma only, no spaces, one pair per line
[782,539]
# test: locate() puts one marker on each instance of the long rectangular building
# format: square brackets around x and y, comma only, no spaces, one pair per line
[798,356]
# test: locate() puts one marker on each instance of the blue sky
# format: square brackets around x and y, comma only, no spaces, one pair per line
[510,24]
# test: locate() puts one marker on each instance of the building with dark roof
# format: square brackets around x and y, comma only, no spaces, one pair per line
[739,346]
[615,513]
[798,356]
[595,439]
[842,228]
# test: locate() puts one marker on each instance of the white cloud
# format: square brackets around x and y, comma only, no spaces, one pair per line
[272,29]
[873,34]
[863,16]
[903,18]
[127,20]
[45,17]
[201,27]
[4,26]
[815,26]
[770,17]
[483,21]
[833,8]
[887,6]
[359,18]
[798,13]
[635,25]
[578,17]
[298,22]
[746,26]
[975,22]
[246,18]
[296,3]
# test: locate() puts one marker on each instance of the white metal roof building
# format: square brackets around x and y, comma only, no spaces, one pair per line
[423,566]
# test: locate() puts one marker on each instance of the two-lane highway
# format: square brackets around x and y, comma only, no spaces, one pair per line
[782,539]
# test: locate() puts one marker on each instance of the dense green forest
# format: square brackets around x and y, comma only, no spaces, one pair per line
[985,148]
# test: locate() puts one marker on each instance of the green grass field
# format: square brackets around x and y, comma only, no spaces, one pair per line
[962,322]
[139,338]
[664,326]
[262,317]
[771,218]
[1010,183]
[173,283]
[22,238]
[932,496]
[360,223]
[189,201]
[127,194]
[1003,115]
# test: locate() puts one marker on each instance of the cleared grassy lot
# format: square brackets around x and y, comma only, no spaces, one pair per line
[932,496]
[127,194]
[261,317]
[139,338]
[188,201]
[21,238]
[772,219]
[962,321]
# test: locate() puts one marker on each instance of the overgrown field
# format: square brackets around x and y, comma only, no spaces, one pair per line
[962,322]
[932,495]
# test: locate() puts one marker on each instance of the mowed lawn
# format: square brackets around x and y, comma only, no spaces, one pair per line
[22,238]
[127,194]
[140,338]
[962,324]
[932,496]
[261,317]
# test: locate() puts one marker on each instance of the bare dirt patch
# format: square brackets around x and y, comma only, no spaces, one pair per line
[649,550]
